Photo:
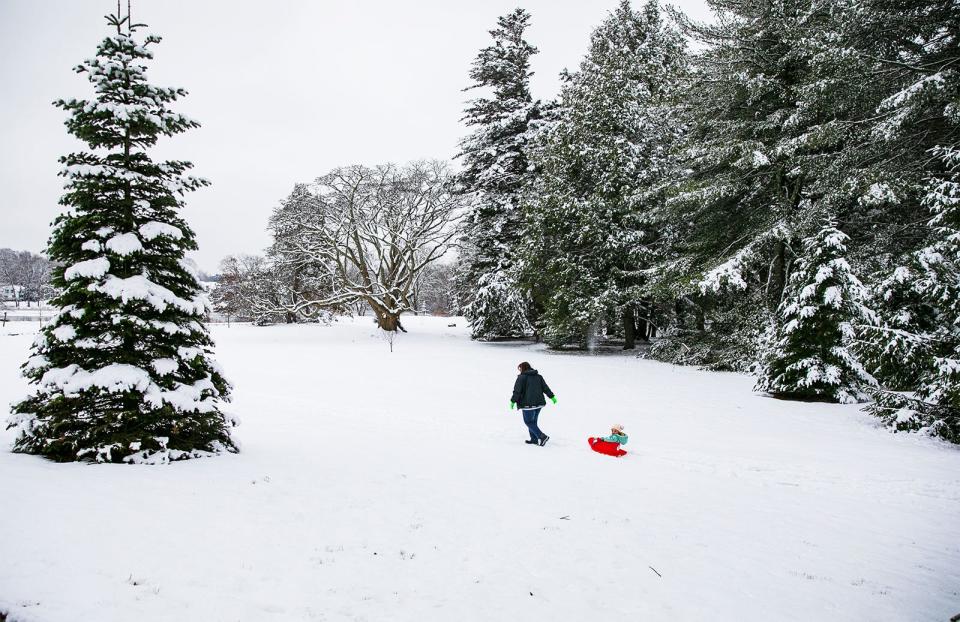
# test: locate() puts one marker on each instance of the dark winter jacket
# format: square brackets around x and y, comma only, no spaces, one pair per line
[529,388]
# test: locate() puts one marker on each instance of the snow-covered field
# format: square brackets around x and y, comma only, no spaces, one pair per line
[379,486]
[11,313]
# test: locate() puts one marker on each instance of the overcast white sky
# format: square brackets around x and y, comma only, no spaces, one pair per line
[285,91]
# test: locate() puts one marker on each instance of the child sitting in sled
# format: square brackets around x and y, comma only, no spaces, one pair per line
[610,445]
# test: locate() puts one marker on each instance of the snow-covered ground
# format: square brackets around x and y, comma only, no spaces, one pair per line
[31,314]
[379,486]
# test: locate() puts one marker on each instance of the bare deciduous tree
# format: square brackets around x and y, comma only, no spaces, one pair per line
[254,288]
[436,291]
[369,233]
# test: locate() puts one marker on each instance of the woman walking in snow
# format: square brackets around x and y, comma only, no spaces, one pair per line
[528,392]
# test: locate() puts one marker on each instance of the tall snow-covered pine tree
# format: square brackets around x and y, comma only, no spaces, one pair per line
[917,128]
[495,170]
[762,129]
[125,371]
[589,209]
[926,333]
[810,354]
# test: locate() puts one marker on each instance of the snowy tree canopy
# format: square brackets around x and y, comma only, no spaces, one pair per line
[591,208]
[368,233]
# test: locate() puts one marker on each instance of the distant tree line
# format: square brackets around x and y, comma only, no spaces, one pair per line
[356,239]
[26,274]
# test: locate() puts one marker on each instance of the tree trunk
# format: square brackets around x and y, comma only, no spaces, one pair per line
[778,275]
[387,321]
[643,324]
[629,328]
[610,324]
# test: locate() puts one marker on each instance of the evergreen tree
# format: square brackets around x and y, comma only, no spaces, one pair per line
[498,308]
[125,371]
[897,351]
[767,115]
[294,278]
[924,332]
[810,354]
[743,185]
[495,170]
[915,135]
[590,210]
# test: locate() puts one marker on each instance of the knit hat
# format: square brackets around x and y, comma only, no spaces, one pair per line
[618,427]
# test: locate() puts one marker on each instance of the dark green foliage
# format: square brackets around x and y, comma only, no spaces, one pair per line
[125,370]
[917,345]
[728,341]
[905,413]
[590,210]
[809,354]
[898,350]
[916,136]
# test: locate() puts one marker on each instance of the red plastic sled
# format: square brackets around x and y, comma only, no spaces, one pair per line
[604,447]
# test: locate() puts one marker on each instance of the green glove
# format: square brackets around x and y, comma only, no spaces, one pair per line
[513,405]
[554,399]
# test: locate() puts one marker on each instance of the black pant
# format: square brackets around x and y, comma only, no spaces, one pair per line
[530,416]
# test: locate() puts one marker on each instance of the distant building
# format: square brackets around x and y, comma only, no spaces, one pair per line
[10,292]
